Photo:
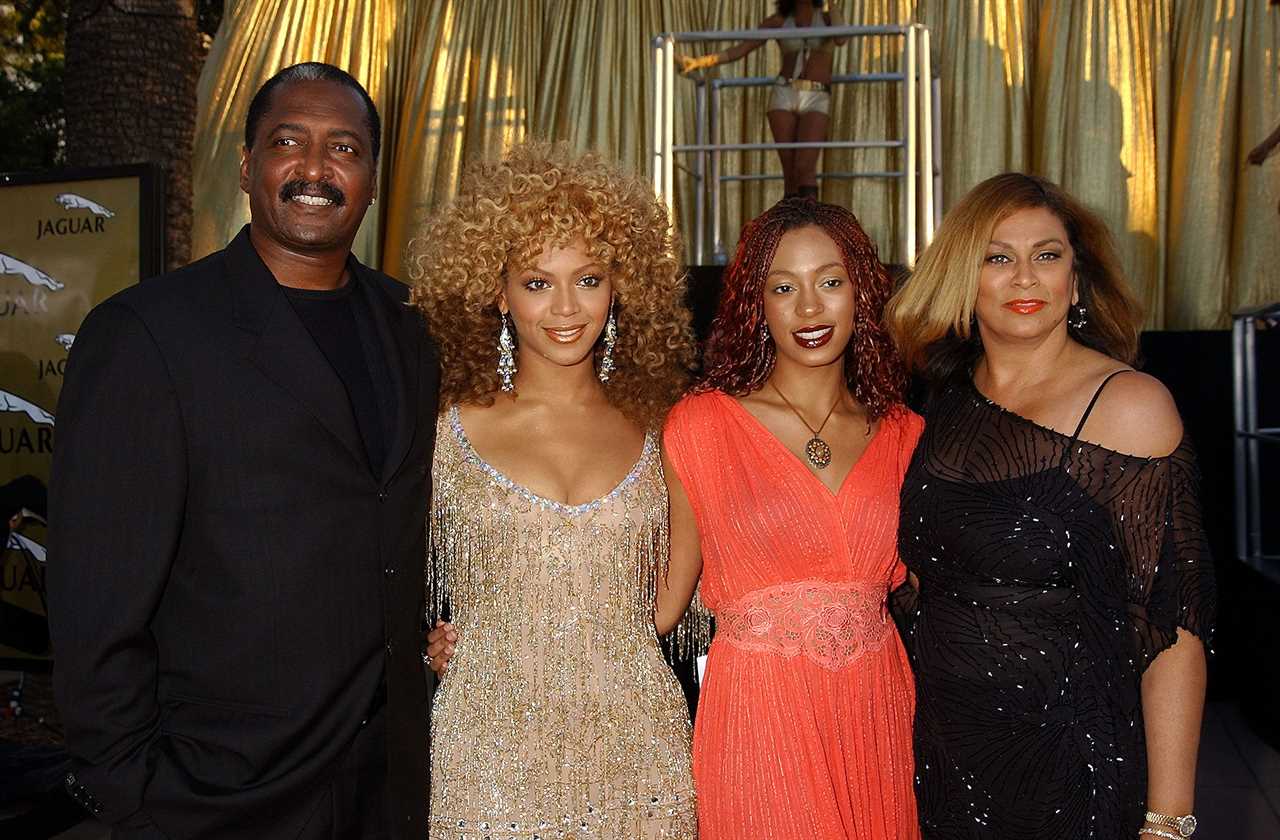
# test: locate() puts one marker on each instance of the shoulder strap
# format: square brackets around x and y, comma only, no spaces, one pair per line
[1084,417]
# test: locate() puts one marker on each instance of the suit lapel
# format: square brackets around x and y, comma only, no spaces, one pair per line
[285,352]
[402,336]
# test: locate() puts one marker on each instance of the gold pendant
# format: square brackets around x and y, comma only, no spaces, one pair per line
[817,451]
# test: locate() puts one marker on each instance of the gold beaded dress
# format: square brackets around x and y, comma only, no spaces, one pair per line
[557,717]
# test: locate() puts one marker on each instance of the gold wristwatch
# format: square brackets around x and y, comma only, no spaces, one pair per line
[1186,825]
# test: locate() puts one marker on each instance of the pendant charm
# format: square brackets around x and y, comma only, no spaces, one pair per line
[817,451]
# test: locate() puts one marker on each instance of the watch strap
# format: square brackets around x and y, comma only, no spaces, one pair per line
[1185,825]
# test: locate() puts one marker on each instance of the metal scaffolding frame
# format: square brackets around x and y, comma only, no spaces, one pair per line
[1249,436]
[920,139]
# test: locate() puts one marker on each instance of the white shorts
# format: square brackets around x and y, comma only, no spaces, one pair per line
[787,98]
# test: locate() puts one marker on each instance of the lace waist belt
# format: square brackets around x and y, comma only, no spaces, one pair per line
[830,623]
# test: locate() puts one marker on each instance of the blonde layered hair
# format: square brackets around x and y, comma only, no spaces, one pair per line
[506,212]
[931,318]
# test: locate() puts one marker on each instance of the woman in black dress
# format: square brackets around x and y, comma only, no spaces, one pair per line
[1061,584]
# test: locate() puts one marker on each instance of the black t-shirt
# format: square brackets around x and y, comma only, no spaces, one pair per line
[341,322]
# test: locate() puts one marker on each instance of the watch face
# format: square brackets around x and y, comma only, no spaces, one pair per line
[1186,825]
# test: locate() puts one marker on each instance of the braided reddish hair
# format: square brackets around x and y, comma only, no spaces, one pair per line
[739,354]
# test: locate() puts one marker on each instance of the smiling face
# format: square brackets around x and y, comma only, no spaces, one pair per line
[1027,284]
[559,305]
[310,172]
[808,299]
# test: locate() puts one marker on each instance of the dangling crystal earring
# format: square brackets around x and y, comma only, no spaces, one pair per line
[610,338]
[506,358]
[1082,317]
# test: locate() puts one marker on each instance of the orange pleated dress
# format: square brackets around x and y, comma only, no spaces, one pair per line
[803,725]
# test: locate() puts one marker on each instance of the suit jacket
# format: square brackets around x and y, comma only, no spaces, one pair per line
[229,577]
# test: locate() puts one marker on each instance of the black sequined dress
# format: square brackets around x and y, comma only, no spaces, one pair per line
[1052,571]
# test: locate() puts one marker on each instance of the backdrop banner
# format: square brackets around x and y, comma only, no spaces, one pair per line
[68,240]
[1143,109]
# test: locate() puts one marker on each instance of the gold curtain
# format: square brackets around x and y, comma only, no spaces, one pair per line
[476,77]
[1142,108]
[1253,249]
[465,73]
[1095,129]
[983,53]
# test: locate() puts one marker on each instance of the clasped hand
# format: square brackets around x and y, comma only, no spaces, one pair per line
[440,644]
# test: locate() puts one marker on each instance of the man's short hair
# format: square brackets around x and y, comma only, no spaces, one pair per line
[311,71]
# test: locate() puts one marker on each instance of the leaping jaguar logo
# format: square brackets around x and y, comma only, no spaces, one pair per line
[33,275]
[65,340]
[13,402]
[17,542]
[71,201]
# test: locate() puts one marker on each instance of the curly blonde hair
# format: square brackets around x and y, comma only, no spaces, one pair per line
[507,211]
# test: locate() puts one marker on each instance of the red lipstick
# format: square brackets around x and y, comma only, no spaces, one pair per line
[813,337]
[1028,306]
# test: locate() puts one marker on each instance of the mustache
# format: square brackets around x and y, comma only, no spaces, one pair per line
[322,188]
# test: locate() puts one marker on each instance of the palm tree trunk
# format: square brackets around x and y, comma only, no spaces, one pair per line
[131,73]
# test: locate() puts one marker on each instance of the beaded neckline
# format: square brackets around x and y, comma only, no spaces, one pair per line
[472,457]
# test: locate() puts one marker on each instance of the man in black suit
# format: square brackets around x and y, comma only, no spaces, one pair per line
[237,514]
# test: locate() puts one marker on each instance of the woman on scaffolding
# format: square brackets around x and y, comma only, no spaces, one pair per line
[801,99]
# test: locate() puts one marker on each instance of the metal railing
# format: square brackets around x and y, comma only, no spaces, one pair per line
[1249,436]
[920,137]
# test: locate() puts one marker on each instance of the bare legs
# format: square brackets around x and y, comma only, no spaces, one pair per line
[783,124]
[811,128]
[799,166]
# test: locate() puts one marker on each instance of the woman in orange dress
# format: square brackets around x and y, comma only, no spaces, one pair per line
[784,469]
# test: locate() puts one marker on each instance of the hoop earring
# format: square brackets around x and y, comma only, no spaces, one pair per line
[1082,317]
[607,366]
[506,358]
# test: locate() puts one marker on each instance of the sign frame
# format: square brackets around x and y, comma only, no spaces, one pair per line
[150,178]
[151,202]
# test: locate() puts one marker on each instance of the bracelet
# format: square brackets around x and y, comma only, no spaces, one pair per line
[710,60]
[1159,832]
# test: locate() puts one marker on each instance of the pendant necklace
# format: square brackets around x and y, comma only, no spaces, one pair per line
[816,450]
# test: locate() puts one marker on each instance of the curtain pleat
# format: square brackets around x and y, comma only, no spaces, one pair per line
[1254,263]
[1204,158]
[1094,120]
[468,74]
[1144,109]
[983,51]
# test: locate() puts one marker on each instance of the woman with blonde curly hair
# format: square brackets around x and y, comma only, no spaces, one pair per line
[554,289]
